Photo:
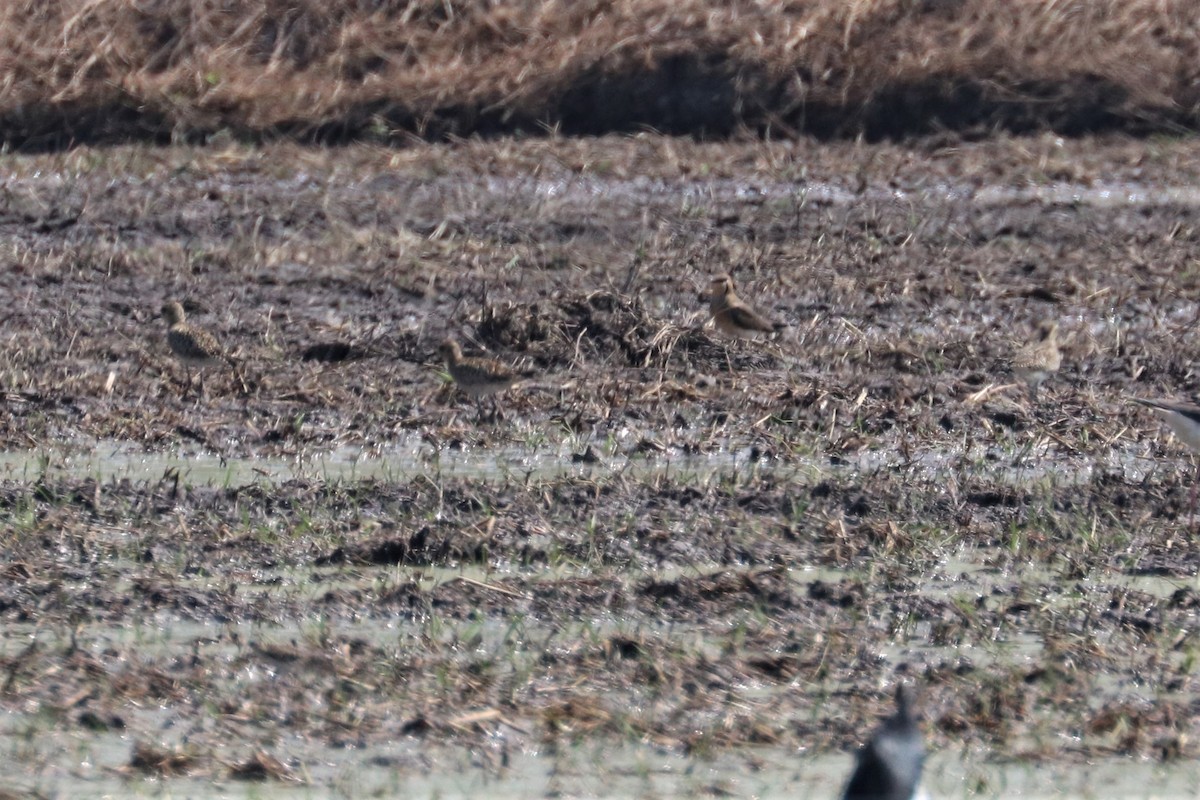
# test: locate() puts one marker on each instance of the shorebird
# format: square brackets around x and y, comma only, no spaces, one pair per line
[478,377]
[1038,360]
[1184,421]
[731,314]
[889,765]
[193,346]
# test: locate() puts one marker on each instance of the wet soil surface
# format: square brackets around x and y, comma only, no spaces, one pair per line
[797,523]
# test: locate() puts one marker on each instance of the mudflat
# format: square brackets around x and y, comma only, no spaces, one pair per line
[667,538]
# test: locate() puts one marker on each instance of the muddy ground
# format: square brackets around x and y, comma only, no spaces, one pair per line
[713,547]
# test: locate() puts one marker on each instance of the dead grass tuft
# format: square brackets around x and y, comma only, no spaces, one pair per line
[260,767]
[151,760]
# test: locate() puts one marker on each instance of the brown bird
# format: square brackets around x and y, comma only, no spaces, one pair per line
[479,377]
[1184,421]
[193,346]
[731,314]
[1039,359]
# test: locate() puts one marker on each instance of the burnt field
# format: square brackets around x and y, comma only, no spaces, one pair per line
[668,540]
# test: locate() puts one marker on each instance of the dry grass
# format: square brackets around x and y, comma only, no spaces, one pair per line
[95,69]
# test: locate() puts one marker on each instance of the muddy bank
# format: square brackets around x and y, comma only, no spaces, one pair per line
[597,610]
[746,542]
[905,280]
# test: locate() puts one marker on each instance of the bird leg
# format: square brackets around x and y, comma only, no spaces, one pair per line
[237,373]
[490,417]
[1195,489]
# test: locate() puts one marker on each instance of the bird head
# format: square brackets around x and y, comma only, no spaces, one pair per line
[172,312]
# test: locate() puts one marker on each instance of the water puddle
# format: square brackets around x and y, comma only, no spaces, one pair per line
[587,191]
[105,461]
[67,760]
[408,769]
[516,767]
[411,458]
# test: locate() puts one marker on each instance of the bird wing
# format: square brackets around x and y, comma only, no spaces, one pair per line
[746,317]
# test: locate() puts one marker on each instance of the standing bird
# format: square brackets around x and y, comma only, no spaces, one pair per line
[1041,358]
[731,314]
[1184,421]
[479,377]
[889,765]
[193,346]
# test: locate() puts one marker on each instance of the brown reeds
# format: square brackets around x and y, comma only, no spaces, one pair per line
[74,70]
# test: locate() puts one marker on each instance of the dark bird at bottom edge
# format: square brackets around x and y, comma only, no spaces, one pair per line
[888,766]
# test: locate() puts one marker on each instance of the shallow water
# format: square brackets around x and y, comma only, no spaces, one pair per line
[407,769]
[404,460]
[412,457]
[70,761]
[584,191]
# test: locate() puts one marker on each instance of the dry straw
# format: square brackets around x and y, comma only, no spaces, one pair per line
[96,67]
